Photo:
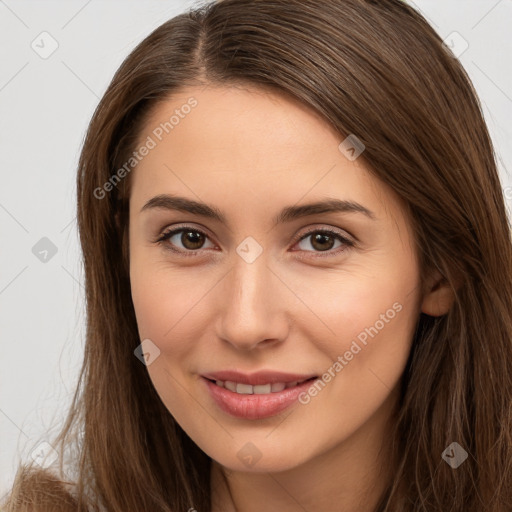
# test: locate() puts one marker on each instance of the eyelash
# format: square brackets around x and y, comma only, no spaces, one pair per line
[166,235]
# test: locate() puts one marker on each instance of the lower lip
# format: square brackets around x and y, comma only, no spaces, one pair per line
[255,407]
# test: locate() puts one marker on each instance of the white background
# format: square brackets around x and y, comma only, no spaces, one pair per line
[45,106]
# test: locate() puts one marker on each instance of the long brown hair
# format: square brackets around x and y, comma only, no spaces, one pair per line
[371,68]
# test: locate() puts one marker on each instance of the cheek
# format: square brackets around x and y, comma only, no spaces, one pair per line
[357,302]
[163,299]
[372,319]
[172,308]
[159,291]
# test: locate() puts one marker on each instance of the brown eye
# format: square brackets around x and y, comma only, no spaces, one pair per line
[192,239]
[322,240]
[184,240]
[188,241]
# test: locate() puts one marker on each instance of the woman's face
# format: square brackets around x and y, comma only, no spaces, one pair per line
[255,283]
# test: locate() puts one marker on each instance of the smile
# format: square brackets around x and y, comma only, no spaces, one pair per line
[262,389]
[255,402]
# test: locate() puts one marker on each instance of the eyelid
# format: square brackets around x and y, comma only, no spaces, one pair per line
[330,230]
[169,232]
[348,241]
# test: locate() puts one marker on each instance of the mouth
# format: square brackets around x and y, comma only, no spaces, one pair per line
[255,402]
[261,389]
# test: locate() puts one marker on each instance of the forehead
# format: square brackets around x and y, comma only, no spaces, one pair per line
[227,115]
[250,144]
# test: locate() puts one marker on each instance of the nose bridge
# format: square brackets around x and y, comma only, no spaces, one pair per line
[250,311]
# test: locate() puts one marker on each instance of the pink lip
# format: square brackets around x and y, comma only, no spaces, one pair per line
[257,378]
[254,407]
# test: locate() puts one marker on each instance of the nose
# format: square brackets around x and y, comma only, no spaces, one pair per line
[252,305]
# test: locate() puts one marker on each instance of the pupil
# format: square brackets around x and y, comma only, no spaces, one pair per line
[318,238]
[191,238]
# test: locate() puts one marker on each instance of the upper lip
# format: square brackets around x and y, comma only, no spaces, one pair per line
[257,378]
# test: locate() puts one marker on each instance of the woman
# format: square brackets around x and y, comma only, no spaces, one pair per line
[344,344]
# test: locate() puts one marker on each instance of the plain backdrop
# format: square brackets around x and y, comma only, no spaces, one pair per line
[46,102]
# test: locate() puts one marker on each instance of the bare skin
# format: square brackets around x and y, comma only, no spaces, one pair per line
[298,307]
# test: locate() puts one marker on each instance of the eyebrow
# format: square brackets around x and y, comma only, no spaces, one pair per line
[287,214]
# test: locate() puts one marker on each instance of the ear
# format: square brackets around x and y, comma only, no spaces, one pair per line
[438,297]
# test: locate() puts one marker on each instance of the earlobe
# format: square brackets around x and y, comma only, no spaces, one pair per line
[439,296]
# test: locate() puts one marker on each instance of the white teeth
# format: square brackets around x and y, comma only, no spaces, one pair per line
[262,389]
[230,385]
[278,386]
[244,389]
